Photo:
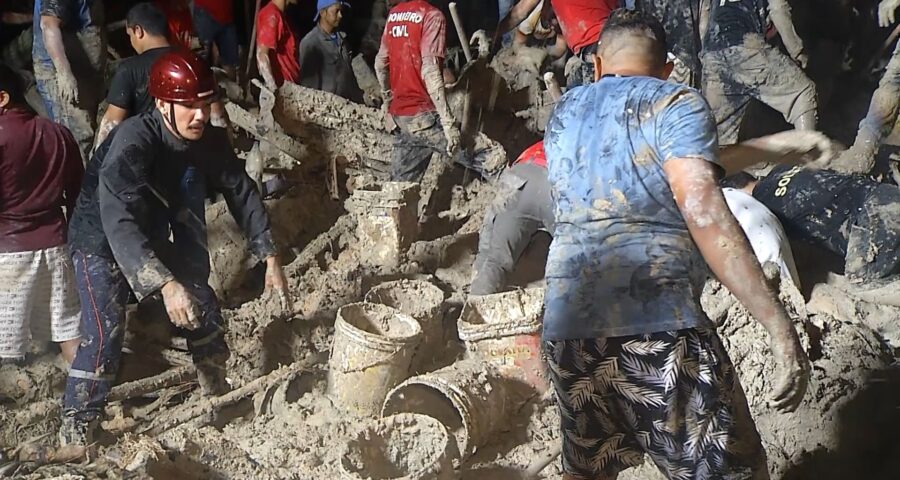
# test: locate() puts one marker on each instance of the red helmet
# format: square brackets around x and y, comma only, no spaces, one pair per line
[181,76]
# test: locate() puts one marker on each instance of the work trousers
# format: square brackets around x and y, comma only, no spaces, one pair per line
[735,75]
[522,207]
[104,291]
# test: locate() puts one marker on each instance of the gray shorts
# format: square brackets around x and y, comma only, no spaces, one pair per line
[735,75]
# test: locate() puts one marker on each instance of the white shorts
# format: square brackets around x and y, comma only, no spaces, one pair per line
[38,299]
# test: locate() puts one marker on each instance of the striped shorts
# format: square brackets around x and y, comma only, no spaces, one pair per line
[38,300]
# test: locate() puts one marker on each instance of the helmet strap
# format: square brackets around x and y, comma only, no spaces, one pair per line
[172,121]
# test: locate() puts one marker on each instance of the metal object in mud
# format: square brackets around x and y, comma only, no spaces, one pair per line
[424,302]
[372,350]
[468,397]
[388,221]
[504,329]
[401,447]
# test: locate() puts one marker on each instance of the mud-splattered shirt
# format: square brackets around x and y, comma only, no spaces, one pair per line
[143,183]
[816,206]
[731,20]
[622,261]
[75,15]
[414,30]
[275,33]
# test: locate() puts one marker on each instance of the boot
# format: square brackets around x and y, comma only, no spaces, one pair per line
[211,377]
[76,431]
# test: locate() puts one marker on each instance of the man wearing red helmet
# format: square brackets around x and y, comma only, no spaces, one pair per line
[147,180]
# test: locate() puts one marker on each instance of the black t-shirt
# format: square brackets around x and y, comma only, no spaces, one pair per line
[816,206]
[128,89]
[731,20]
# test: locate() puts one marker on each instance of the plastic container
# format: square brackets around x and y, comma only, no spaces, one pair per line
[400,447]
[504,329]
[373,346]
[468,397]
[424,302]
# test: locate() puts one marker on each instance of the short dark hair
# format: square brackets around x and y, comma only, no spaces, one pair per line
[149,17]
[11,83]
[738,180]
[622,21]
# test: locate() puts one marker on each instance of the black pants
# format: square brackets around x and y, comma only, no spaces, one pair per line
[874,240]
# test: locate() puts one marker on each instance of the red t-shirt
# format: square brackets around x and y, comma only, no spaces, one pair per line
[221,11]
[181,26]
[274,33]
[40,172]
[534,154]
[582,21]
[414,29]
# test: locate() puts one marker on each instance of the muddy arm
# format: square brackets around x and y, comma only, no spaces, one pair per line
[728,254]
[264,64]
[515,16]
[113,117]
[51,28]
[780,11]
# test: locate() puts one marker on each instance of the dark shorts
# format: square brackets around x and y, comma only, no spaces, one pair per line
[873,246]
[671,395]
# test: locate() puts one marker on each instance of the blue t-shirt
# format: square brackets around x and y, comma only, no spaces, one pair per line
[75,15]
[622,261]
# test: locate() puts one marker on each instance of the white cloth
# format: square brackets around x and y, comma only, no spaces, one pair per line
[38,299]
[767,237]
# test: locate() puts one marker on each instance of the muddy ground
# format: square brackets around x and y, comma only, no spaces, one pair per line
[291,427]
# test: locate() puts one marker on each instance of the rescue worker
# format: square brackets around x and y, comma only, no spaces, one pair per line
[69,54]
[851,216]
[408,67]
[42,172]
[147,31]
[214,23]
[325,59]
[276,46]
[580,21]
[522,207]
[147,180]
[738,65]
[884,107]
[637,366]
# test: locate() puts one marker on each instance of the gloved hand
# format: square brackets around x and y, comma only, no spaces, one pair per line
[886,12]
[181,306]
[68,87]
[451,133]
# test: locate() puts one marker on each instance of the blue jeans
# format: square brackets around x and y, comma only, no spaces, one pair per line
[104,291]
[224,36]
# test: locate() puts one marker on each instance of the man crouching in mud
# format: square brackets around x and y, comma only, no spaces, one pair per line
[151,175]
[637,366]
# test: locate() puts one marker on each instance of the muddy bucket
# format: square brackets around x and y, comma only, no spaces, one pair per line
[424,302]
[401,447]
[373,345]
[468,397]
[504,329]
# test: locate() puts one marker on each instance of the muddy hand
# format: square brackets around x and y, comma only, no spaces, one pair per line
[791,373]
[886,12]
[452,135]
[68,87]
[181,306]
[389,123]
[277,282]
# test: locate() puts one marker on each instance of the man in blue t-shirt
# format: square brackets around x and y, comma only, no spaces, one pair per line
[637,366]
